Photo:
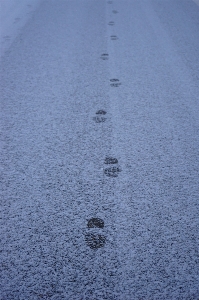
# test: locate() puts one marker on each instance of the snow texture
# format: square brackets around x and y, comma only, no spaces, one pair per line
[14,14]
[99,185]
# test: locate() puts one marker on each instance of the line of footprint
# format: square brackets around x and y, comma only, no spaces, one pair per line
[97,240]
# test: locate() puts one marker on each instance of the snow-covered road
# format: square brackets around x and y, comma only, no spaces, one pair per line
[14,15]
[99,155]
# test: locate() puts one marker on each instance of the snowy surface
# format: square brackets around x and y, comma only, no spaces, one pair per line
[135,166]
[14,14]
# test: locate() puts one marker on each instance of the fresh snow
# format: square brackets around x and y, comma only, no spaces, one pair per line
[14,14]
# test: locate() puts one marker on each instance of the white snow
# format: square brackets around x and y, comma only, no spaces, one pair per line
[14,14]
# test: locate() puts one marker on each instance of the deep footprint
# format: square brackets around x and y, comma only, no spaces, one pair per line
[95,222]
[115,11]
[110,160]
[95,241]
[101,112]
[112,171]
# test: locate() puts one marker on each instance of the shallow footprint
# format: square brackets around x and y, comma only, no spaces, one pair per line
[99,119]
[110,160]
[95,241]
[112,171]
[111,23]
[115,82]
[104,56]
[114,37]
[101,112]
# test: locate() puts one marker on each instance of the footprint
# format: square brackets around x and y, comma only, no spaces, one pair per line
[115,82]
[101,112]
[115,11]
[110,160]
[95,241]
[111,23]
[109,2]
[104,56]
[95,222]
[114,37]
[99,119]
[112,171]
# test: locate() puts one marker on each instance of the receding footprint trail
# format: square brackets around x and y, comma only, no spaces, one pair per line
[94,236]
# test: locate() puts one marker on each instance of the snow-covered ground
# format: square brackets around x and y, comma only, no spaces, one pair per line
[14,14]
[99,161]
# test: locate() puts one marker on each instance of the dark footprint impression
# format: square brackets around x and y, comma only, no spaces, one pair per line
[114,37]
[110,160]
[111,23]
[115,82]
[115,11]
[94,240]
[112,171]
[101,112]
[109,2]
[99,118]
[95,223]
[104,56]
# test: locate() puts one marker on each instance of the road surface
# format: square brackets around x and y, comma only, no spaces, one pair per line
[99,159]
